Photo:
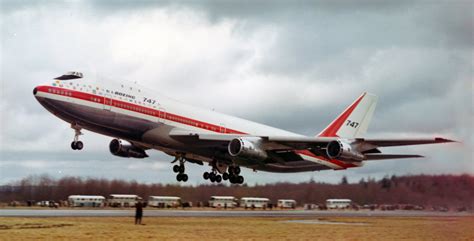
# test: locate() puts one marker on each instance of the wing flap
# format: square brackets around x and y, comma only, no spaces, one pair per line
[186,134]
[298,142]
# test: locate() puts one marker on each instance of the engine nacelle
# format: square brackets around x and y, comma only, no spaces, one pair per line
[247,147]
[118,149]
[343,150]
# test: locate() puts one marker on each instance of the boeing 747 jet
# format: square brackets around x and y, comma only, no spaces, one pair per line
[140,120]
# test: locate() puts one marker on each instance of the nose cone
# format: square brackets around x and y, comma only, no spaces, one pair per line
[37,92]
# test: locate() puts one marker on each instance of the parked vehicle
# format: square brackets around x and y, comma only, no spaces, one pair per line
[286,203]
[164,201]
[254,202]
[123,200]
[223,201]
[86,201]
[338,203]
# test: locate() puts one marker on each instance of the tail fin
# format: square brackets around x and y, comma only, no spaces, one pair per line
[354,121]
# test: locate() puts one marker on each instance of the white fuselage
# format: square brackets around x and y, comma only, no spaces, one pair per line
[141,116]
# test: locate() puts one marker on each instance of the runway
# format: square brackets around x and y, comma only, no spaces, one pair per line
[220,213]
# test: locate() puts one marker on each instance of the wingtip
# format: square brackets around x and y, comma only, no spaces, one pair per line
[444,140]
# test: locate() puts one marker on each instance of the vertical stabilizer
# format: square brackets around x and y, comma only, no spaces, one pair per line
[355,120]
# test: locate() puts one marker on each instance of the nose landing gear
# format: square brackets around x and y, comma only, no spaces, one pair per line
[76,144]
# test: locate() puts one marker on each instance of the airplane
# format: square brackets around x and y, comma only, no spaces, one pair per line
[139,120]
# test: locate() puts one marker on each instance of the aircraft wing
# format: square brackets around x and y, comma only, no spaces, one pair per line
[269,142]
[274,143]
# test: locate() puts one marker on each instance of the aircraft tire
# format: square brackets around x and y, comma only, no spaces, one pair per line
[240,179]
[178,177]
[181,169]
[237,170]
[184,177]
[176,168]
[212,177]
[79,145]
[205,175]
[73,145]
[225,176]
[218,178]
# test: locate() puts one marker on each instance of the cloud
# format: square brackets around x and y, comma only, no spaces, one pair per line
[293,65]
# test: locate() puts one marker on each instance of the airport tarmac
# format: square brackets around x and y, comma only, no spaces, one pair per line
[221,213]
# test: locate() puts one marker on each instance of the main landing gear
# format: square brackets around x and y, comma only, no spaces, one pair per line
[213,176]
[76,144]
[232,175]
[181,176]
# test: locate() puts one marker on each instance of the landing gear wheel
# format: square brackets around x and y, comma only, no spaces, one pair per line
[236,170]
[184,177]
[176,168]
[73,145]
[205,175]
[240,179]
[225,176]
[76,143]
[178,177]
[212,177]
[232,179]
[79,145]
[181,168]
[218,178]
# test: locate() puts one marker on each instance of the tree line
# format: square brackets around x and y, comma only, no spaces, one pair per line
[427,190]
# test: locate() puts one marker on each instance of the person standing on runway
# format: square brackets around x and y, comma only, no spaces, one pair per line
[138,212]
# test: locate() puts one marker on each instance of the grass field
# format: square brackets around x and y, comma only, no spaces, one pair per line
[245,228]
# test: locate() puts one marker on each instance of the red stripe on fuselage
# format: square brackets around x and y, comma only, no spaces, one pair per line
[135,108]
[165,115]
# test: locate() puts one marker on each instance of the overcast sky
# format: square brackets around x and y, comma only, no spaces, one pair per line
[290,64]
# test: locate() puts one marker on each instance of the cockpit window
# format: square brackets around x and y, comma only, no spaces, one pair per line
[70,75]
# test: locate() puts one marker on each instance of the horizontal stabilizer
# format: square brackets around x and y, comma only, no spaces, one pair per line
[389,156]
[405,142]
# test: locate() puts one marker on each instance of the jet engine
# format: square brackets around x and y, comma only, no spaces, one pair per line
[343,150]
[247,147]
[118,149]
